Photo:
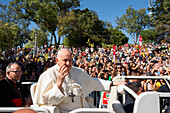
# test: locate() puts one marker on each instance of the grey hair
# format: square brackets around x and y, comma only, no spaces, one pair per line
[8,68]
[59,52]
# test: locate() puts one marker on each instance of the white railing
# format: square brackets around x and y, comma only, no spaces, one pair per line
[12,109]
[96,94]
[165,78]
[28,83]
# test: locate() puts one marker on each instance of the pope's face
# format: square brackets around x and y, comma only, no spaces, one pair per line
[65,59]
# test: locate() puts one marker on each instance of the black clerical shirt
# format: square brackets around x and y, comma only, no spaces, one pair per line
[12,95]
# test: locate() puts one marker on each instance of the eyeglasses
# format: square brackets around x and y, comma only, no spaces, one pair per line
[119,67]
[16,71]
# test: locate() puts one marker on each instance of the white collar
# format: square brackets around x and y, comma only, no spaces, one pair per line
[57,66]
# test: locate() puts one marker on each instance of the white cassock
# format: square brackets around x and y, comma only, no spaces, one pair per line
[78,81]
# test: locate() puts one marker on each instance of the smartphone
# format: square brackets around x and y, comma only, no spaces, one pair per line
[105,70]
[118,63]
[158,73]
[154,61]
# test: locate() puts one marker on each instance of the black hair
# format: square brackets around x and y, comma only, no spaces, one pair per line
[133,71]
[135,86]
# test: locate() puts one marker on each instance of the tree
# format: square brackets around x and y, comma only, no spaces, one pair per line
[117,37]
[133,22]
[149,36]
[8,35]
[19,27]
[83,27]
[161,19]
[41,38]
[43,12]
[80,26]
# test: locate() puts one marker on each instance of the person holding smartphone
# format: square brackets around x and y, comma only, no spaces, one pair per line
[119,69]
[104,74]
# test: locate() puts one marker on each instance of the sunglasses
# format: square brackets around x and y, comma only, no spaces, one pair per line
[119,67]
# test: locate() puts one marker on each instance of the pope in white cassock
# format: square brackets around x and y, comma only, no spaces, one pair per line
[65,86]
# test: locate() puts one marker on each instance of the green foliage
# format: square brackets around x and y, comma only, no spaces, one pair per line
[89,43]
[161,19]
[78,26]
[83,27]
[41,37]
[133,22]
[117,37]
[105,46]
[149,36]
[14,30]
[29,45]
[9,35]
[44,13]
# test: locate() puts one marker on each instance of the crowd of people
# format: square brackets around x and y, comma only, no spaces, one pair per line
[98,62]
[151,60]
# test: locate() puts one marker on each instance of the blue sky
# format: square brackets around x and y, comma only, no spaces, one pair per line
[108,10]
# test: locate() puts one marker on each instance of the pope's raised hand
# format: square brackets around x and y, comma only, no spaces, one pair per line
[62,73]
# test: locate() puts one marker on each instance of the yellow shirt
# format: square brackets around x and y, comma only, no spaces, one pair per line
[159,84]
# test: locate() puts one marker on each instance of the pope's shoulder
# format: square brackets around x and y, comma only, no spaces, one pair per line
[73,68]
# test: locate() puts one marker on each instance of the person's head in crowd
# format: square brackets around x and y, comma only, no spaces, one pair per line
[167,61]
[94,69]
[141,71]
[133,65]
[161,70]
[136,87]
[25,110]
[94,72]
[2,74]
[144,72]
[105,74]
[118,67]
[123,60]
[134,72]
[148,73]
[109,63]
[126,65]
[64,58]
[13,71]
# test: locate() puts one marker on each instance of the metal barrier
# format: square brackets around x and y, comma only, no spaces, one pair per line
[96,97]
[12,109]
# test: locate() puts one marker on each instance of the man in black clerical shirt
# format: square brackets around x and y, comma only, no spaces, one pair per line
[13,94]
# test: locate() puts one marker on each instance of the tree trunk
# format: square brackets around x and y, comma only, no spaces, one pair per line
[53,33]
[58,40]
[137,38]
[133,39]
[51,40]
